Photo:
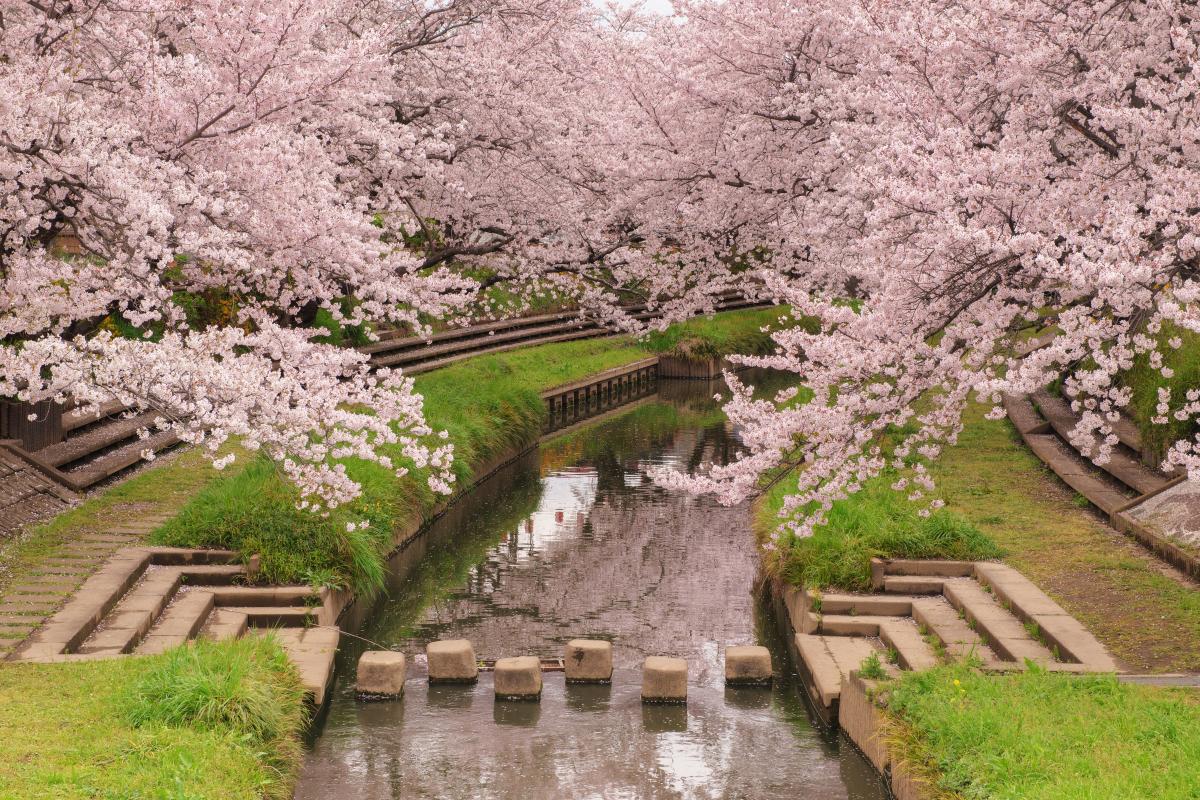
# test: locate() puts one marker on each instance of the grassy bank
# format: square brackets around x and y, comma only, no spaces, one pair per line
[875,523]
[719,335]
[1043,735]
[1119,590]
[1145,382]
[488,404]
[209,720]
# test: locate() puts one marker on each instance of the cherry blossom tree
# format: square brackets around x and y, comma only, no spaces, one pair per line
[959,170]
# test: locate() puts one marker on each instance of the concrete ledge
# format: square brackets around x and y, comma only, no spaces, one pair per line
[863,721]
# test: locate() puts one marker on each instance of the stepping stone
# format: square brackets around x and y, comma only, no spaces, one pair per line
[37,605]
[380,675]
[518,678]
[588,661]
[747,665]
[451,661]
[664,680]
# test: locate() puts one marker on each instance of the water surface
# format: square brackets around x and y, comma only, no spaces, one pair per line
[575,541]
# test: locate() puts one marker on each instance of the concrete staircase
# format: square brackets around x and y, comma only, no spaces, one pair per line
[98,444]
[1119,488]
[415,354]
[145,600]
[932,612]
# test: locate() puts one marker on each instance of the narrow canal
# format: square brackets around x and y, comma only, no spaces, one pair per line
[575,541]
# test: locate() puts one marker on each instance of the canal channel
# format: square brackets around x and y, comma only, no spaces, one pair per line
[574,540]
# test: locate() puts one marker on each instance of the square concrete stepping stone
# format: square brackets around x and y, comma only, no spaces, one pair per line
[451,661]
[588,661]
[664,680]
[747,665]
[380,675]
[518,678]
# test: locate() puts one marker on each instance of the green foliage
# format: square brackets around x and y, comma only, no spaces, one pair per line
[1145,383]
[872,668]
[877,522]
[1047,735]
[206,721]
[339,334]
[719,335]
[247,686]
[490,405]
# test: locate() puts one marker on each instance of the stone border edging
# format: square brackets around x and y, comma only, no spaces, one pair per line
[862,718]
[1028,423]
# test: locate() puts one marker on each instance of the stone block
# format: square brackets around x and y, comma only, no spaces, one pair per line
[380,675]
[664,680]
[451,661]
[518,678]
[588,661]
[747,665]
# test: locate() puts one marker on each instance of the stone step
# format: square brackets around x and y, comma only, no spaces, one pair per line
[109,538]
[313,651]
[871,604]
[1064,634]
[1123,466]
[224,624]
[45,584]
[1080,475]
[939,618]
[277,616]
[912,651]
[999,628]
[264,595]
[212,574]
[913,584]
[849,625]
[101,437]
[135,613]
[829,660]
[88,473]
[118,633]
[79,417]
[181,556]
[179,622]
[1023,415]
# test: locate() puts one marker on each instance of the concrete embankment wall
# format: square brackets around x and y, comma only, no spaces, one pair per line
[858,712]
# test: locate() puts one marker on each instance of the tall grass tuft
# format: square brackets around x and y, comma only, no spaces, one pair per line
[247,687]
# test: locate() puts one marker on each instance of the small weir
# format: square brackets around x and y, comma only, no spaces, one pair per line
[573,541]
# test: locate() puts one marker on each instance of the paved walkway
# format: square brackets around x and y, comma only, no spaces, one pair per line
[38,594]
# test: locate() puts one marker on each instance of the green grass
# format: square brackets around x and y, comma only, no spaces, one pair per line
[1108,581]
[877,522]
[490,405]
[719,335]
[1145,383]
[205,721]
[1047,736]
[159,491]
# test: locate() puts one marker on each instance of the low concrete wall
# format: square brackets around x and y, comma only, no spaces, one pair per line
[856,712]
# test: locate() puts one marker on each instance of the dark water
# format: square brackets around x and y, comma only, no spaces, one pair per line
[576,542]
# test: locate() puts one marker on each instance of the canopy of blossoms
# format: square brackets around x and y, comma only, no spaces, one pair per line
[920,180]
